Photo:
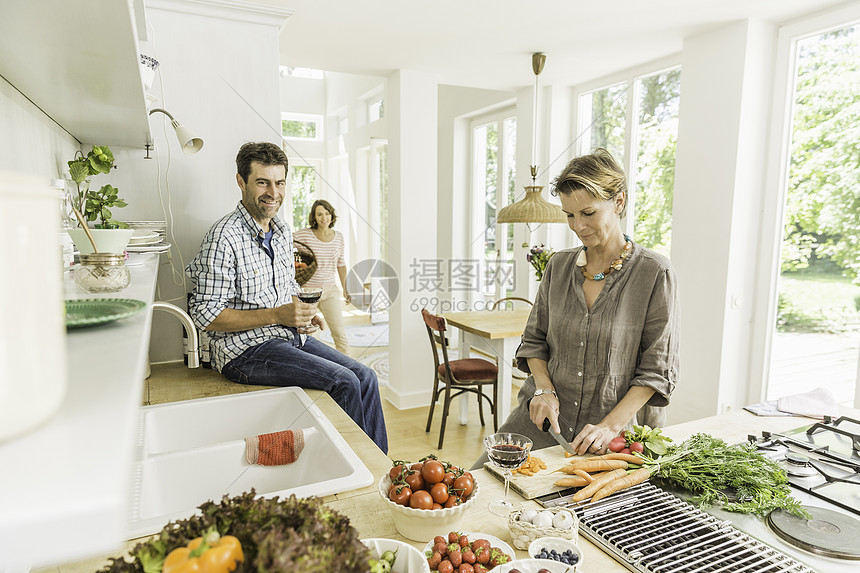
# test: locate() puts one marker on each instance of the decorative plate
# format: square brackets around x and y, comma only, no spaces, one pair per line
[154,248]
[92,311]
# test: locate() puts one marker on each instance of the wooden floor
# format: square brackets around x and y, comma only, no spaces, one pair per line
[406,436]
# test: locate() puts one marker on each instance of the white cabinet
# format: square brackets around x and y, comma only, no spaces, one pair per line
[64,487]
[77,60]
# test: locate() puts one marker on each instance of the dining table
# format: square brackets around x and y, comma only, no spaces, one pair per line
[495,333]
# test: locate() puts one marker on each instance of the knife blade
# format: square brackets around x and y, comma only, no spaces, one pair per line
[561,441]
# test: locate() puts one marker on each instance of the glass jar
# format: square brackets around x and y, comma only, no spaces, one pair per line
[102,272]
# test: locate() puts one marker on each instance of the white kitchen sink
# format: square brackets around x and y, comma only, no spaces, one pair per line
[192,451]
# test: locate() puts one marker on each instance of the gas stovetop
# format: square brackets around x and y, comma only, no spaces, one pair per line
[647,531]
[821,459]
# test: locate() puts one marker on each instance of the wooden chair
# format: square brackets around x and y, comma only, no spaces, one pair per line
[511,300]
[457,377]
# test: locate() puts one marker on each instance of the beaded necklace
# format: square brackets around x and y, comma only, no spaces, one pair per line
[613,266]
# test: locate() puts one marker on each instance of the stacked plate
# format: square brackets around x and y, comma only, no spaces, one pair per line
[148,237]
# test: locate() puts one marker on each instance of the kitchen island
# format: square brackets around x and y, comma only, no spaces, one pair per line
[369,516]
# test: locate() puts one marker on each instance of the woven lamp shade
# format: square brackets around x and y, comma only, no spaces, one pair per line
[532,209]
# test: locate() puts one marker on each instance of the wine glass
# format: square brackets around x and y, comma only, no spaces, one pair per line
[507,451]
[309,295]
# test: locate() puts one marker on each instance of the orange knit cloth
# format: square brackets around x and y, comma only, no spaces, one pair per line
[276,448]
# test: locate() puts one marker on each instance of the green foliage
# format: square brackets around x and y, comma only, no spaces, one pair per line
[277,535]
[303,183]
[823,197]
[298,128]
[98,207]
[539,257]
[710,469]
[815,301]
[608,112]
[82,167]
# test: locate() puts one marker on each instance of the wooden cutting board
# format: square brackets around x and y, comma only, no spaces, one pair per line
[541,483]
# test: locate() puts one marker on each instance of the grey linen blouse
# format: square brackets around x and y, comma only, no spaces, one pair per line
[629,337]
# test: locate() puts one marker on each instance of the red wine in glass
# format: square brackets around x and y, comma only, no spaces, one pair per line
[507,456]
[310,296]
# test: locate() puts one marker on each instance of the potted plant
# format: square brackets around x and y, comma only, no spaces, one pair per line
[110,235]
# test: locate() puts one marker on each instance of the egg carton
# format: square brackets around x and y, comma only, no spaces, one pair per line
[524,532]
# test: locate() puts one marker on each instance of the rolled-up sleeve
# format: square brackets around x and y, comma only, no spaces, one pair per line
[658,363]
[213,271]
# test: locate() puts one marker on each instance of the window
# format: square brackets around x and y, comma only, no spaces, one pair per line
[301,126]
[303,191]
[639,129]
[375,109]
[379,197]
[310,73]
[493,184]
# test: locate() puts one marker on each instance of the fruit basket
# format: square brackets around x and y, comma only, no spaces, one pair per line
[305,255]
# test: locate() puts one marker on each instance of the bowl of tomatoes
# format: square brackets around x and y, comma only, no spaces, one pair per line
[426,496]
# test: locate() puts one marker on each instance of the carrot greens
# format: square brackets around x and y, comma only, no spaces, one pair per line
[711,470]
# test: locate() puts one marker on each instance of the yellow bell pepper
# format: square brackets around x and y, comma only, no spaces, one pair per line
[208,554]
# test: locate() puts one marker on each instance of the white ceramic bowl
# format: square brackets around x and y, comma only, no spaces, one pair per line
[557,543]
[533,566]
[409,559]
[424,524]
[107,240]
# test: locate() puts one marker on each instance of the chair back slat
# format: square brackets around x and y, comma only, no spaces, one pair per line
[435,329]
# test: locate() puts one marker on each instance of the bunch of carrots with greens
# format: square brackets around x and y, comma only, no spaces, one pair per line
[736,477]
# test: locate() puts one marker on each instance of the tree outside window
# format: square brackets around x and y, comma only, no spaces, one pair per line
[303,184]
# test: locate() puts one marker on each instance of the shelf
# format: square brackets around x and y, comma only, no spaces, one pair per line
[78,62]
[64,487]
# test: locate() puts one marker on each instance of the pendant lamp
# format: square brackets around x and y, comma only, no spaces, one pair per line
[533,208]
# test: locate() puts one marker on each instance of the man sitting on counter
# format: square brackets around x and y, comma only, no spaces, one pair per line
[245,297]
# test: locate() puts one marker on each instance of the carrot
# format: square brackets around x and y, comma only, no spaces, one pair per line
[622,483]
[591,465]
[577,481]
[598,483]
[629,458]
[583,474]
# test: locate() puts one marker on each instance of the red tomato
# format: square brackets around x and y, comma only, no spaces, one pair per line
[433,471]
[439,492]
[436,506]
[400,494]
[395,472]
[417,466]
[464,485]
[449,478]
[453,500]
[415,481]
[421,500]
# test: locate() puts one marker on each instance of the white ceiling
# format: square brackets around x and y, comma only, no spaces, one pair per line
[488,43]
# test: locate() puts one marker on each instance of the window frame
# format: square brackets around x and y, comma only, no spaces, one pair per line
[305,118]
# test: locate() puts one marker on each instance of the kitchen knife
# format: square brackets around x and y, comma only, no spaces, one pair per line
[561,441]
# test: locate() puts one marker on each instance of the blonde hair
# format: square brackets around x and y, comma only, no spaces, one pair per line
[598,174]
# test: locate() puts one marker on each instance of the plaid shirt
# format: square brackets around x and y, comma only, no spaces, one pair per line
[232,270]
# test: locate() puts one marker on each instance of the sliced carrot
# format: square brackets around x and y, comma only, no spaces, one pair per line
[577,481]
[622,483]
[592,465]
[629,458]
[598,483]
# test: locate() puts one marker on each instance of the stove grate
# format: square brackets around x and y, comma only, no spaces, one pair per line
[649,530]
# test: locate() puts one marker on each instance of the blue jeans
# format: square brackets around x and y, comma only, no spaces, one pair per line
[315,365]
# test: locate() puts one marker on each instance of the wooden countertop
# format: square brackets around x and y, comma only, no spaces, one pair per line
[370,517]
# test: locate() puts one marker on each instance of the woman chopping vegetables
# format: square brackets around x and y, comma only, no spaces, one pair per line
[601,343]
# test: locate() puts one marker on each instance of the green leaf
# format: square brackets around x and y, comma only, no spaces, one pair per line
[79,171]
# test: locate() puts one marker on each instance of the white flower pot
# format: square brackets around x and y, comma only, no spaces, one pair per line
[107,240]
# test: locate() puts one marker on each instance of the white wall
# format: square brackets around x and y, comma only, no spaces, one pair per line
[218,75]
[31,141]
[718,188]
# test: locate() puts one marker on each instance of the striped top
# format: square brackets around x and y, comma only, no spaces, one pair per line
[329,256]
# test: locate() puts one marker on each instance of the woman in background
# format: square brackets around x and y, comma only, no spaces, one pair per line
[328,247]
